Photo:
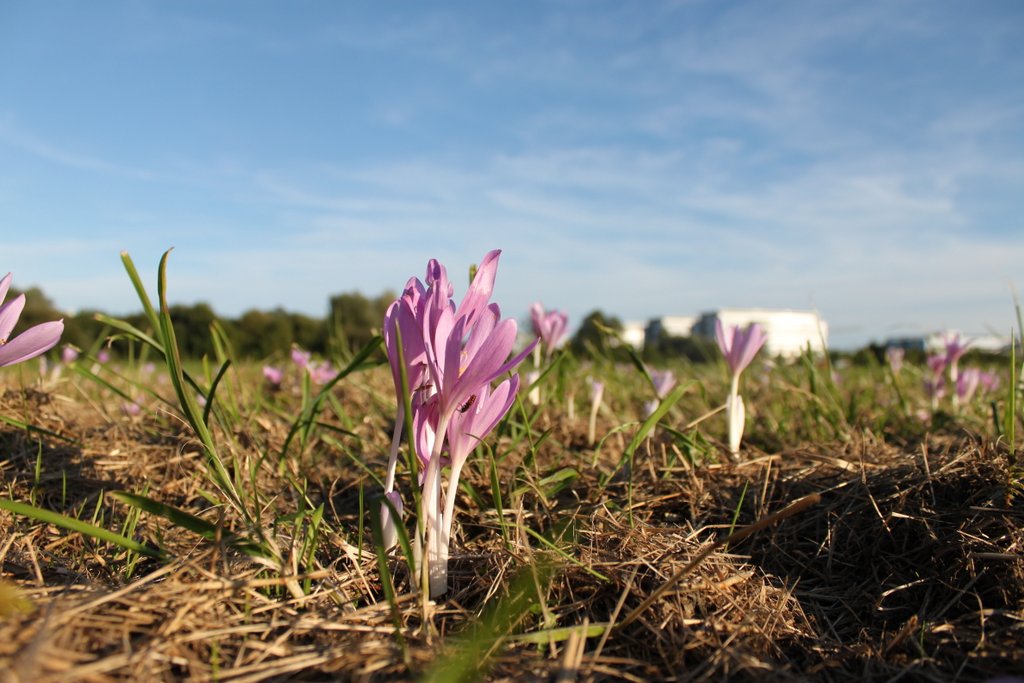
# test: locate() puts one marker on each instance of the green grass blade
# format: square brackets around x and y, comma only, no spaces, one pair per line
[189,522]
[140,290]
[84,528]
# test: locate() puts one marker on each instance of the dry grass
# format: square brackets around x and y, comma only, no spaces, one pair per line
[910,567]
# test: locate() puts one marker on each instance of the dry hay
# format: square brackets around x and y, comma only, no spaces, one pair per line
[909,568]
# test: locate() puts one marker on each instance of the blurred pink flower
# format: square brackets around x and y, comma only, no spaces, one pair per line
[989,381]
[300,357]
[739,346]
[967,384]
[69,354]
[321,373]
[273,375]
[551,326]
[955,348]
[664,381]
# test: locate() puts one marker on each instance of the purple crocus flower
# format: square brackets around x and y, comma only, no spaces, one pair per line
[937,364]
[103,356]
[30,343]
[466,430]
[273,375]
[739,348]
[967,383]
[321,373]
[452,354]
[989,381]
[955,348]
[664,381]
[551,326]
[300,357]
[69,354]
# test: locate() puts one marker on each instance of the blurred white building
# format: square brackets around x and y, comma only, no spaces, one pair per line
[633,334]
[789,332]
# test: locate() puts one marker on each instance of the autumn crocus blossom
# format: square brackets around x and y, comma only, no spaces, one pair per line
[551,326]
[30,343]
[955,348]
[273,375]
[663,381]
[739,347]
[450,356]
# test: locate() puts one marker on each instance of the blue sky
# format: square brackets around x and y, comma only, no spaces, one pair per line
[864,158]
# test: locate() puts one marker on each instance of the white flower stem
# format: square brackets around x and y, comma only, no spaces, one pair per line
[387,519]
[430,513]
[735,414]
[396,438]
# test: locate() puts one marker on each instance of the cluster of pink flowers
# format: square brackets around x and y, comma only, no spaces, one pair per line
[320,372]
[450,355]
[963,383]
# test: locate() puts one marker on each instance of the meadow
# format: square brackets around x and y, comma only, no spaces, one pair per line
[168,518]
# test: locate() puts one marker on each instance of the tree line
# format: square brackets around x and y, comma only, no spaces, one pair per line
[351,321]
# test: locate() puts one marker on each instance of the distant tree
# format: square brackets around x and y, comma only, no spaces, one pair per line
[598,334]
[192,329]
[258,334]
[355,319]
[695,349]
[309,333]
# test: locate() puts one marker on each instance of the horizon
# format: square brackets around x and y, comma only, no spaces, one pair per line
[650,160]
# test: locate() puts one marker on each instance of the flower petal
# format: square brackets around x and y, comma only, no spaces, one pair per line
[9,314]
[480,290]
[31,343]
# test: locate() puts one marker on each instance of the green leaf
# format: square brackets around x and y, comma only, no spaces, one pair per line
[84,528]
[190,522]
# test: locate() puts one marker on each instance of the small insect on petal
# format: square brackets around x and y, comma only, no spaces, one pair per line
[468,404]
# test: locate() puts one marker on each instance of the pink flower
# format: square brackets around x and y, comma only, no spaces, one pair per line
[30,343]
[739,346]
[300,357]
[321,373]
[955,348]
[989,382]
[274,376]
[937,364]
[103,356]
[550,326]
[69,354]
[967,383]
[452,354]
[664,381]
